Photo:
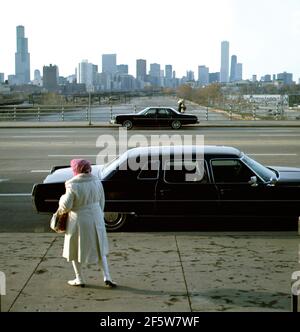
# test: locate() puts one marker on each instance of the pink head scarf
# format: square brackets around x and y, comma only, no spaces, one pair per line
[80,166]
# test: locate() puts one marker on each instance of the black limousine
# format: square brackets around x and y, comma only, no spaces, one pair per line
[155,117]
[224,181]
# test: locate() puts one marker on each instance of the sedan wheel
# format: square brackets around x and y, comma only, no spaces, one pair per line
[114,220]
[127,124]
[176,124]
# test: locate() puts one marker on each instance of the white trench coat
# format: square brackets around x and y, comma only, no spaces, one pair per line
[85,238]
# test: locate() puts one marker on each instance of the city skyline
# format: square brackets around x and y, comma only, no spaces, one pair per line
[81,33]
[116,76]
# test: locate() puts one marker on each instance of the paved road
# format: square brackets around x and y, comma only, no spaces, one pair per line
[26,156]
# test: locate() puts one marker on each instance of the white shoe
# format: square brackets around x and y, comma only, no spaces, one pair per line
[76,282]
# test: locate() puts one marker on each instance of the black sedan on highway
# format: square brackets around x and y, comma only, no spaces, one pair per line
[184,181]
[155,117]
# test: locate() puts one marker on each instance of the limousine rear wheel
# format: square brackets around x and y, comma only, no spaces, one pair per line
[127,124]
[176,124]
[114,220]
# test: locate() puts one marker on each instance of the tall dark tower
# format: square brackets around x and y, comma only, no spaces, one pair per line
[22,57]
[233,69]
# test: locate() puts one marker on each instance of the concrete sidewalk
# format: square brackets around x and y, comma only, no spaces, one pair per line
[203,124]
[157,272]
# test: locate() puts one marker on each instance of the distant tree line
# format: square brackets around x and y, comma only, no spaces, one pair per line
[208,96]
[228,97]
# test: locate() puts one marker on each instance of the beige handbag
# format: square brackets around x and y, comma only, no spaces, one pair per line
[58,222]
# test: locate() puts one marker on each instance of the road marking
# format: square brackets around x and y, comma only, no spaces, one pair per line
[52,131]
[63,143]
[4,180]
[44,136]
[15,195]
[279,135]
[40,171]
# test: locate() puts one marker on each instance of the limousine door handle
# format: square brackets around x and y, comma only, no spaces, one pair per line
[223,191]
[164,191]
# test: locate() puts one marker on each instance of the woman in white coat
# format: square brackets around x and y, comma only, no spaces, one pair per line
[85,239]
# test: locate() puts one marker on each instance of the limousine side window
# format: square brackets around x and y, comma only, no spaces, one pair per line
[187,172]
[151,113]
[164,113]
[149,171]
[230,171]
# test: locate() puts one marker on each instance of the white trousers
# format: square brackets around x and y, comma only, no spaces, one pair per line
[105,269]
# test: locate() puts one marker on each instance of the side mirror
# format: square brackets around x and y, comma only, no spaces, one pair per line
[272,182]
[253,181]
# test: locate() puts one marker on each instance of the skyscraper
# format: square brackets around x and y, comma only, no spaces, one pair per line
[154,74]
[286,78]
[122,69]
[214,77]
[168,72]
[154,70]
[190,76]
[203,75]
[224,74]
[233,68]
[22,57]
[37,75]
[168,81]
[141,69]
[50,78]
[37,78]
[239,72]
[109,63]
[87,74]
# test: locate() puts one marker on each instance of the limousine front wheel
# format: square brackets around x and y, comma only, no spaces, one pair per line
[127,124]
[114,220]
[176,124]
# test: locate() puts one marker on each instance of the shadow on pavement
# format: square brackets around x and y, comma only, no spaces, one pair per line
[169,224]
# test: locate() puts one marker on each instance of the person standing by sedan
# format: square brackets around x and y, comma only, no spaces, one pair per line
[86,238]
[181,106]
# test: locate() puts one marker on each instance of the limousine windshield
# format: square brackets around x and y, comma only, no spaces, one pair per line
[265,173]
[110,166]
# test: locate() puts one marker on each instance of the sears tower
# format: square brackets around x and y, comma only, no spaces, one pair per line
[22,57]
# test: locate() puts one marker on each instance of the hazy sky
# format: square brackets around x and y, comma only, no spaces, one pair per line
[264,34]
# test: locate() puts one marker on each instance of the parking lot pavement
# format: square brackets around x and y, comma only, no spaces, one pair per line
[157,272]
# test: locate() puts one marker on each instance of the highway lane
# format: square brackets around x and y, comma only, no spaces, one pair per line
[26,155]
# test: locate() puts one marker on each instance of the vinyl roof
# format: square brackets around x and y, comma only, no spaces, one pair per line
[208,150]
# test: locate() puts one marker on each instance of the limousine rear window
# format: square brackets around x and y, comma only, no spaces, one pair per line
[189,171]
